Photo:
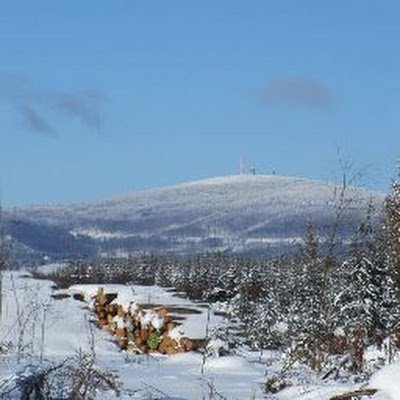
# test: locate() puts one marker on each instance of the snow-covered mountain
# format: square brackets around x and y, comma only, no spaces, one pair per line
[239,213]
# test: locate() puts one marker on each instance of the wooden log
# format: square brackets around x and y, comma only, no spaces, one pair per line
[110,322]
[112,309]
[98,309]
[169,326]
[162,312]
[120,311]
[120,332]
[103,322]
[122,343]
[161,348]
[172,346]
[170,350]
[166,341]
[99,297]
[138,340]
[144,334]
[186,344]
[356,394]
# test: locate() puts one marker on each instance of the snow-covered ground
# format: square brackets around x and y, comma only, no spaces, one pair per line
[41,327]
[56,329]
[388,381]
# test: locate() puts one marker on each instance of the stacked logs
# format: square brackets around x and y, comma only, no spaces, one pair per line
[145,331]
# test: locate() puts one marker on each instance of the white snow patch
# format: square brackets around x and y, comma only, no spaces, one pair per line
[388,381]
[99,234]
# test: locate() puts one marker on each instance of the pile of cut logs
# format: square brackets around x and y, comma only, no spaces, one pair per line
[145,331]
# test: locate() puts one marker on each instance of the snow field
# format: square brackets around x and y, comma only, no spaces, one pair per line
[67,328]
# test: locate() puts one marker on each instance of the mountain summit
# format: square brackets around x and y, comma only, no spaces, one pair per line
[239,213]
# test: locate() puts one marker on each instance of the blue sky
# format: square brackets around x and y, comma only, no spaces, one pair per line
[99,98]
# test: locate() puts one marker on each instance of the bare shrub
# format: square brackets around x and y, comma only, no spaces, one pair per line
[75,378]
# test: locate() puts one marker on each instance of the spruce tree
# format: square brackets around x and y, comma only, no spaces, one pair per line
[392,230]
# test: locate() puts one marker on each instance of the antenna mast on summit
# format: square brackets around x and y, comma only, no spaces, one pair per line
[241,165]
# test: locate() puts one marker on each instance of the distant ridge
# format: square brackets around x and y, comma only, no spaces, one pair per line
[238,213]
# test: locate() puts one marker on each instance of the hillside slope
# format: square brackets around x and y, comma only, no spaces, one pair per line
[233,213]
